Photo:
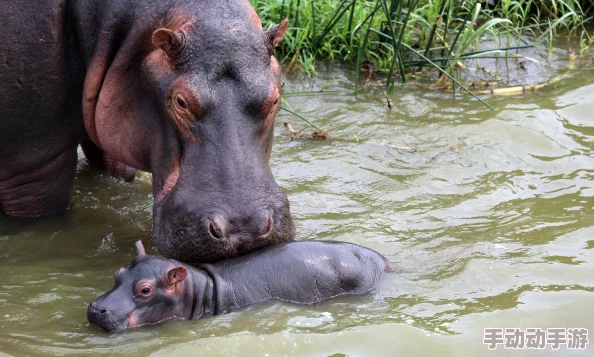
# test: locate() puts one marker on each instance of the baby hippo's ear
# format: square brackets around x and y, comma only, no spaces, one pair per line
[139,249]
[176,275]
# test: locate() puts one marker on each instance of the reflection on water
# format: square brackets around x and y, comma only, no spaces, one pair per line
[489,224]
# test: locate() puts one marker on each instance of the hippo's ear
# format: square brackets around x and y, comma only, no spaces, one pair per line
[176,275]
[139,249]
[169,41]
[276,33]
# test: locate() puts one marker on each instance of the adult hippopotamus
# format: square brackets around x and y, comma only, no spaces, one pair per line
[185,89]
[152,289]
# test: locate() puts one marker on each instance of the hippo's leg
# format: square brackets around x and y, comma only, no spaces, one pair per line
[104,161]
[45,190]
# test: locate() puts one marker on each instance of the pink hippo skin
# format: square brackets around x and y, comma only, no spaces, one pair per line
[185,89]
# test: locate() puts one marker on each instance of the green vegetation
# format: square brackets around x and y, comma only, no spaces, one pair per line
[402,36]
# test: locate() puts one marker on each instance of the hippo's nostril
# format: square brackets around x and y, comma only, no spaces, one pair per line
[268,227]
[103,311]
[214,230]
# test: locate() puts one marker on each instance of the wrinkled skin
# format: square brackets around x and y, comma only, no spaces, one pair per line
[152,289]
[186,90]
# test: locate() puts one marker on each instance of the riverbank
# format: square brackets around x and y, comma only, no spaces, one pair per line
[402,38]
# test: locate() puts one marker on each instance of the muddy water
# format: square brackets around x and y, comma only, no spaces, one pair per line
[492,230]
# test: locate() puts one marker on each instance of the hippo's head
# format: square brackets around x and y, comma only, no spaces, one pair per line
[149,290]
[192,99]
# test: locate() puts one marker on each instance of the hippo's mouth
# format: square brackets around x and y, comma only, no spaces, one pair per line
[104,320]
[108,329]
[129,324]
[110,326]
[169,184]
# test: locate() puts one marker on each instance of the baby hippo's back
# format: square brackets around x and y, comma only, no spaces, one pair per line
[300,272]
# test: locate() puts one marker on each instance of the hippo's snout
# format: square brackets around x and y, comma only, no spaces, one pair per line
[104,319]
[196,228]
[259,226]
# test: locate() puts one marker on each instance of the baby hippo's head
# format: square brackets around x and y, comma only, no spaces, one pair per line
[149,290]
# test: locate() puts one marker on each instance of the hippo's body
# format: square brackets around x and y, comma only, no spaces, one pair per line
[152,289]
[185,89]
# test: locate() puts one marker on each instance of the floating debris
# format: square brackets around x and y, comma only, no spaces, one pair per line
[323,135]
[454,148]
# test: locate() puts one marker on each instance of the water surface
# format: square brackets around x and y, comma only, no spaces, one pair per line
[490,223]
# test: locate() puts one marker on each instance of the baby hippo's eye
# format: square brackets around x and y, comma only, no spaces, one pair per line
[144,289]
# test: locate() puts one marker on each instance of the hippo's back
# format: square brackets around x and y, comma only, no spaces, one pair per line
[357,270]
[300,272]
[40,77]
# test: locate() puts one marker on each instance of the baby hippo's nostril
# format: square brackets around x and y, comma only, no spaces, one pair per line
[215,230]
[93,306]
[269,225]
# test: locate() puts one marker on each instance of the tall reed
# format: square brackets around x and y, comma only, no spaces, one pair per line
[396,35]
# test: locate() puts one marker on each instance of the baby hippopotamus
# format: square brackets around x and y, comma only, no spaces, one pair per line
[152,289]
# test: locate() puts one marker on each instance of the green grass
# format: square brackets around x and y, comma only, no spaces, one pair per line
[396,36]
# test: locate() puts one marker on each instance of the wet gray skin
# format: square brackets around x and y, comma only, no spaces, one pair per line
[152,289]
[185,90]
[499,234]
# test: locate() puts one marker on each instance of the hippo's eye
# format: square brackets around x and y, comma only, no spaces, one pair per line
[273,106]
[269,105]
[181,102]
[144,289]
